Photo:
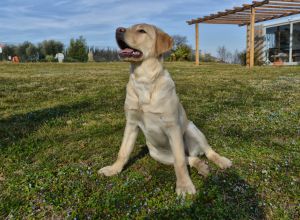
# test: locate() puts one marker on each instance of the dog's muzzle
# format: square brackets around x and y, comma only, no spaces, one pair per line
[126,50]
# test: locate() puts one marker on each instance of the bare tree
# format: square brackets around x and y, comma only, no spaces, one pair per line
[105,54]
[224,55]
[179,40]
[236,57]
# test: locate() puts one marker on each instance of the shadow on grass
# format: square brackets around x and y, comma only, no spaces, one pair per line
[19,126]
[224,195]
[142,153]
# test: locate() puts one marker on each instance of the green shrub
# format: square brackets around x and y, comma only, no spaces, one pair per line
[49,58]
[182,53]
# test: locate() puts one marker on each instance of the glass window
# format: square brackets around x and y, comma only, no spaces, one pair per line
[296,43]
[278,43]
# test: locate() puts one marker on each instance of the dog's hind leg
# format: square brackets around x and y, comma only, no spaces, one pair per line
[168,159]
[197,145]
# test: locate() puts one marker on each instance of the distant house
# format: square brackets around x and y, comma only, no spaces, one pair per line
[279,42]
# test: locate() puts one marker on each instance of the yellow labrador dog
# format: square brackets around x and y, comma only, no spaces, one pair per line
[152,105]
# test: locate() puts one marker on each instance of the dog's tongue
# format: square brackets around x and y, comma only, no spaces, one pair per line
[126,51]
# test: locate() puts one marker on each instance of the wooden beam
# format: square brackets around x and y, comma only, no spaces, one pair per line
[238,16]
[277,10]
[284,3]
[291,43]
[232,19]
[249,14]
[252,25]
[263,11]
[273,17]
[281,7]
[289,1]
[248,46]
[224,22]
[197,43]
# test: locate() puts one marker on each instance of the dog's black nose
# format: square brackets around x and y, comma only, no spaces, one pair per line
[121,30]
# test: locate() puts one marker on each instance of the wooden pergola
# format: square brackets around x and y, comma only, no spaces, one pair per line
[248,15]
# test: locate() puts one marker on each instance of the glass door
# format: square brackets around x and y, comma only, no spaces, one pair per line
[296,43]
[278,43]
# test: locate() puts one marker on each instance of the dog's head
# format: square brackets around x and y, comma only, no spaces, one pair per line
[142,41]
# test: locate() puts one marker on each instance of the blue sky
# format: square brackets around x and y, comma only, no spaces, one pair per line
[96,20]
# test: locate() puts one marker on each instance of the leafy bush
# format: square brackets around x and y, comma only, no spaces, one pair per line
[49,58]
[182,53]
[9,50]
[50,47]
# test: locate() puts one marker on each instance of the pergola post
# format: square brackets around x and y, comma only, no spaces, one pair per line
[252,25]
[248,46]
[291,43]
[197,43]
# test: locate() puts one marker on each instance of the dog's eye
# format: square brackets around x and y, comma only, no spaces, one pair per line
[142,31]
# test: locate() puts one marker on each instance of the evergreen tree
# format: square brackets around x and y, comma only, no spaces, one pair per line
[78,49]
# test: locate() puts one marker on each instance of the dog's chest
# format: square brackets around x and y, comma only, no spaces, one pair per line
[143,91]
[152,126]
[149,122]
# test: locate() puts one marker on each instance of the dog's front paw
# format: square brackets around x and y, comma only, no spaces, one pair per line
[109,171]
[183,189]
[203,170]
[201,167]
[224,163]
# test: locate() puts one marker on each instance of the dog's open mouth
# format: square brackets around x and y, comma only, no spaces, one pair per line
[127,51]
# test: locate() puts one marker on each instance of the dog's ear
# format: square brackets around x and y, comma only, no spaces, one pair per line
[164,42]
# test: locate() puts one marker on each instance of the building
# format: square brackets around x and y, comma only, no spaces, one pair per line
[281,42]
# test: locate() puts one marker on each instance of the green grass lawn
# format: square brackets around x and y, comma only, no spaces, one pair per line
[59,124]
